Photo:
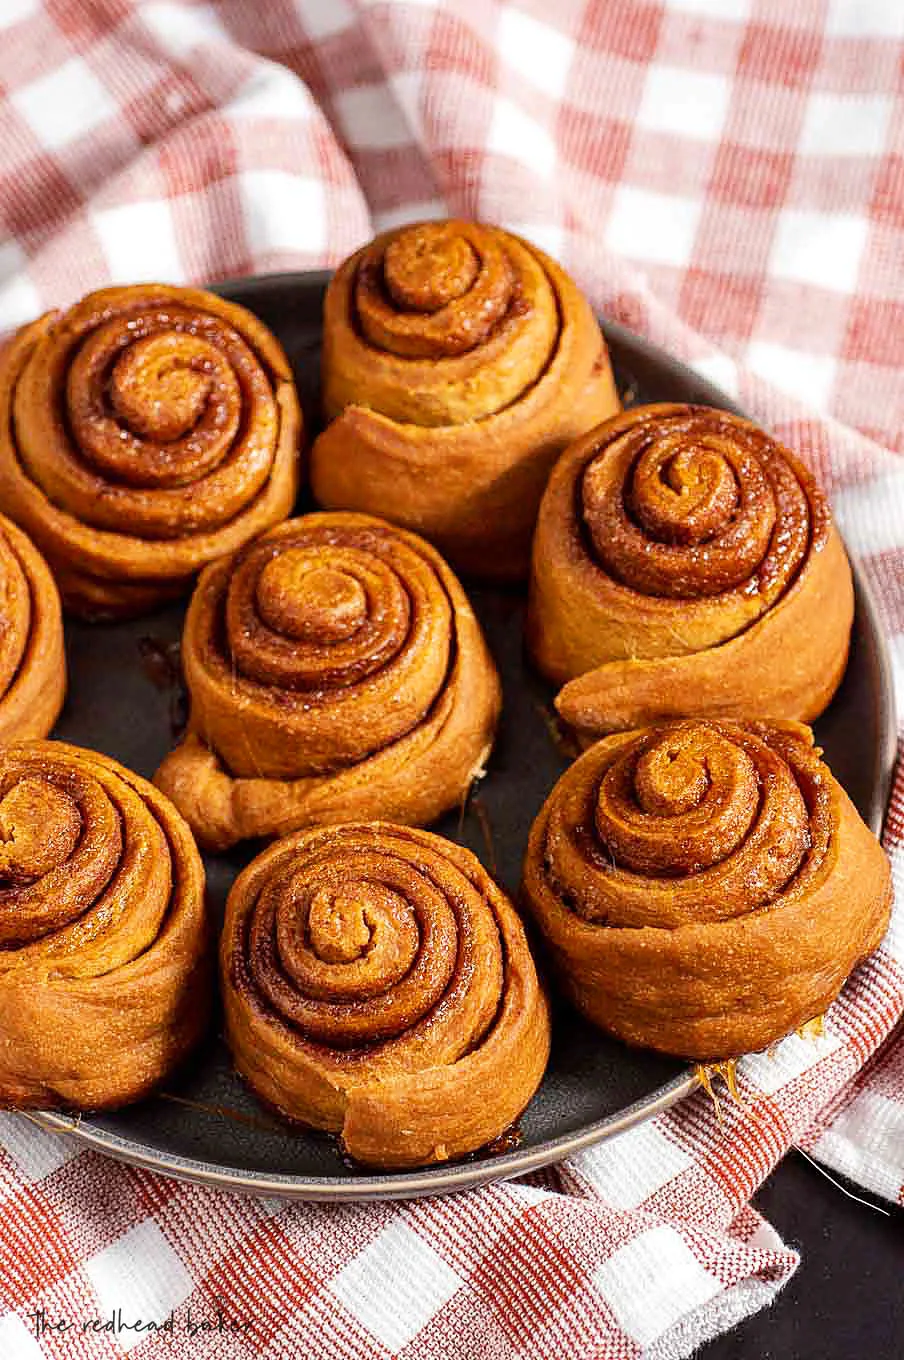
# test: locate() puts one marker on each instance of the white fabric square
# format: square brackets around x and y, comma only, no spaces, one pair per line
[865,19]
[20,301]
[716,9]
[684,102]
[14,11]
[36,1151]
[371,118]
[546,235]
[325,18]
[139,242]
[645,225]
[141,1274]
[692,1330]
[406,87]
[807,377]
[770,1071]
[719,369]
[869,514]
[12,258]
[514,133]
[272,92]
[812,248]
[864,1143]
[16,1341]
[395,1285]
[528,1195]
[428,209]
[19,298]
[538,52]
[283,211]
[845,125]
[651,1280]
[65,104]
[181,30]
[628,1169]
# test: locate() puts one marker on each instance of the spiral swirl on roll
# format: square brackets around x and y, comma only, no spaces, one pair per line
[335,670]
[458,361]
[705,887]
[378,984]
[32,659]
[679,551]
[146,431]
[104,974]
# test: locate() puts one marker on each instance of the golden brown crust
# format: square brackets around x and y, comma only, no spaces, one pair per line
[685,563]
[143,433]
[32,657]
[704,887]
[104,970]
[458,361]
[378,984]
[336,671]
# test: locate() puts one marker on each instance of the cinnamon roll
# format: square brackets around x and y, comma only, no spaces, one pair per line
[377,983]
[32,659]
[336,671]
[145,432]
[686,563]
[704,887]
[104,970]
[458,361]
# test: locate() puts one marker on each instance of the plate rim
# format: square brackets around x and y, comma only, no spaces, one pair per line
[466,1175]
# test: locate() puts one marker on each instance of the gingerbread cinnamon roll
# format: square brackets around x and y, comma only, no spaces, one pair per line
[686,563]
[336,671]
[32,658]
[145,432]
[377,984]
[458,362]
[104,971]
[704,887]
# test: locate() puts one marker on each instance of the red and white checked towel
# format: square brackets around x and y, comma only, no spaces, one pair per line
[728,169]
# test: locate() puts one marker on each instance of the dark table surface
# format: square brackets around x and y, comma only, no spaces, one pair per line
[846,1301]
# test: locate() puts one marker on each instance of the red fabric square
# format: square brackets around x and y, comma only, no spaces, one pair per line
[35,1250]
[630,31]
[751,177]
[264,1280]
[723,305]
[527,1251]
[780,55]
[597,145]
[43,198]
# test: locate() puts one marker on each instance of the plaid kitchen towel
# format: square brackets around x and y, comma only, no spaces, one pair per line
[725,176]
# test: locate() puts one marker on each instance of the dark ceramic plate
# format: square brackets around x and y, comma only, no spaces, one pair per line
[125,700]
